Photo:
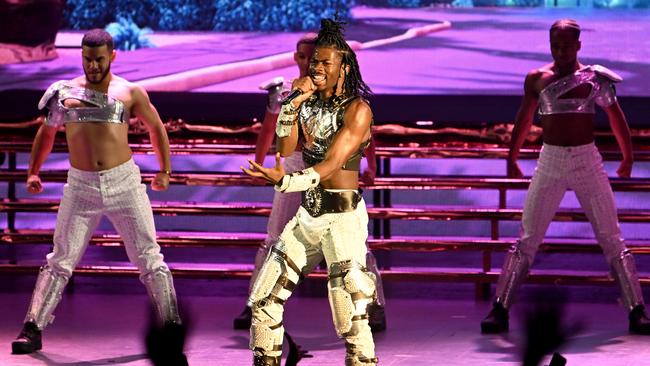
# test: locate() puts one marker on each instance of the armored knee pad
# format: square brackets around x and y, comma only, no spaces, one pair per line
[351,288]
[266,339]
[275,283]
[276,280]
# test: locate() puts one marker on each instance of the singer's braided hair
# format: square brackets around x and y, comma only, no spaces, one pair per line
[331,35]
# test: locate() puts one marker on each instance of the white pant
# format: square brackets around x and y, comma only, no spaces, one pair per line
[338,237]
[284,208]
[579,168]
[117,193]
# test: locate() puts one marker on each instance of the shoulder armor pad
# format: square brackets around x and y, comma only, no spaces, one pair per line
[603,71]
[272,83]
[49,93]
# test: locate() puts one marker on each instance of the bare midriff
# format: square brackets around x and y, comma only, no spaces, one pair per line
[568,129]
[95,146]
[343,179]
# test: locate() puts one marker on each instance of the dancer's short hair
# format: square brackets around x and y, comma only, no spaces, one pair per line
[97,38]
[569,24]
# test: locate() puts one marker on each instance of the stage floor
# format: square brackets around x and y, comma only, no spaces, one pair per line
[94,329]
[486,51]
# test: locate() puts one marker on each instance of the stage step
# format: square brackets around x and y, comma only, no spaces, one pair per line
[405,150]
[402,182]
[170,208]
[254,240]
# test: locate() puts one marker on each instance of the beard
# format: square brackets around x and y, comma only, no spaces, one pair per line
[103,76]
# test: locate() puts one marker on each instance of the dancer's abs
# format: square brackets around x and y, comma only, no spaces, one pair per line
[568,129]
[97,146]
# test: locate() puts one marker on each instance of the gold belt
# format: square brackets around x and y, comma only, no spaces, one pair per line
[317,201]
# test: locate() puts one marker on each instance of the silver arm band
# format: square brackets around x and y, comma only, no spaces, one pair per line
[287,118]
[299,181]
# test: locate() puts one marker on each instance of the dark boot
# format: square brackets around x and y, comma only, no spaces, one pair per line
[266,361]
[639,322]
[496,321]
[28,341]
[165,345]
[243,320]
[376,318]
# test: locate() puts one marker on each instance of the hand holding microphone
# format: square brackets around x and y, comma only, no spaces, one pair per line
[302,89]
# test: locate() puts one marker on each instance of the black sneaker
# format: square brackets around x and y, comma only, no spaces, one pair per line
[496,321]
[28,341]
[376,318]
[639,322]
[243,320]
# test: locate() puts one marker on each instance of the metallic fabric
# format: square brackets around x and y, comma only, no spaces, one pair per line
[46,296]
[602,92]
[319,201]
[320,121]
[160,287]
[350,290]
[119,194]
[104,108]
[276,89]
[625,274]
[513,274]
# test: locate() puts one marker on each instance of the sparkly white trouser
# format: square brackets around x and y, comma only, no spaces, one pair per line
[337,237]
[285,206]
[579,168]
[117,193]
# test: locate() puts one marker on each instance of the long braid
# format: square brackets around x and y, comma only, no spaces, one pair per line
[331,35]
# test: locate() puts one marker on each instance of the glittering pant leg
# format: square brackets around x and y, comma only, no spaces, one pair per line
[129,209]
[79,213]
[591,185]
[545,193]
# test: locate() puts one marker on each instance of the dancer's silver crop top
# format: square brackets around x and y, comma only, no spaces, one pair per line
[104,108]
[602,91]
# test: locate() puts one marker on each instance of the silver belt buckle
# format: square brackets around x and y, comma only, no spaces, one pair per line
[313,201]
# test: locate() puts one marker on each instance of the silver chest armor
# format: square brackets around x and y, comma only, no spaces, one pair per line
[104,108]
[319,123]
[602,91]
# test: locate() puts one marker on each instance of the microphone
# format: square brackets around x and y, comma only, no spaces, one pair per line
[293,95]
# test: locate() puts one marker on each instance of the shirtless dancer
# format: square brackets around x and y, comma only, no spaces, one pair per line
[102,180]
[566,92]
